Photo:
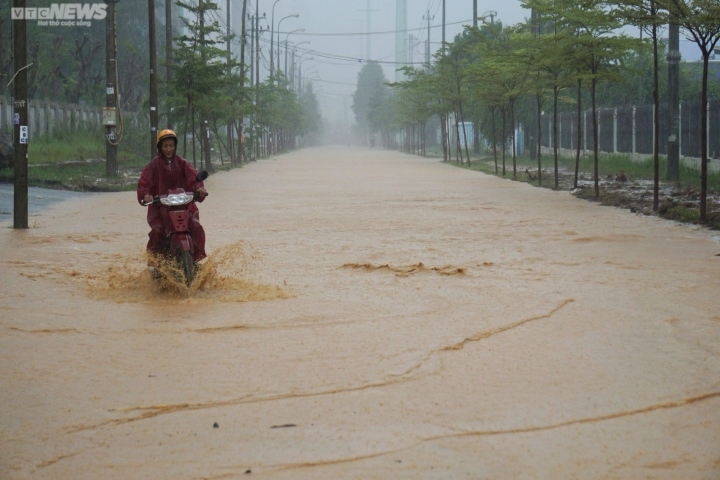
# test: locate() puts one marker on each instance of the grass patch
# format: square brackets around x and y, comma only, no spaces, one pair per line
[75,160]
[623,183]
[66,146]
[680,211]
[609,166]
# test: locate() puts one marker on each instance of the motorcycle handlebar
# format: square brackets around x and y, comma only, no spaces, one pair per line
[156,199]
[201,176]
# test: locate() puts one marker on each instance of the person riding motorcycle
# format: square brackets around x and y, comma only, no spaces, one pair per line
[164,172]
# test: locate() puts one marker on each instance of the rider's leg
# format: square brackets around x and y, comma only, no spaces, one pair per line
[156,236]
[198,233]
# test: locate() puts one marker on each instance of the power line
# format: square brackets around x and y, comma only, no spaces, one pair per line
[386,32]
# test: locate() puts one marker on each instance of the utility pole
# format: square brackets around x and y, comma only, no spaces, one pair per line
[257,48]
[533,142]
[201,21]
[443,28]
[444,117]
[243,68]
[111,141]
[168,56]
[153,80]
[205,139]
[253,81]
[368,38]
[256,135]
[230,127]
[475,16]
[228,30]
[20,116]
[369,41]
[206,145]
[411,47]
[272,36]
[402,52]
[673,58]
[427,51]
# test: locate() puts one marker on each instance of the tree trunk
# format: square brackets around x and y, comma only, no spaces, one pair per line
[458,148]
[556,93]
[596,138]
[494,138]
[656,115]
[514,140]
[579,129]
[504,138]
[703,139]
[538,99]
[442,138]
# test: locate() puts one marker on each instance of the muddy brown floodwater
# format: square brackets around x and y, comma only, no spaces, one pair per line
[368,315]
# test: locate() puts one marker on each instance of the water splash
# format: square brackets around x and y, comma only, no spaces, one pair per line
[226,276]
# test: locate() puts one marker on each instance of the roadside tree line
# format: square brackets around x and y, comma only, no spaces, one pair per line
[205,90]
[568,55]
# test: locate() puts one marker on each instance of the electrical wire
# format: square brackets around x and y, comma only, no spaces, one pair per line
[386,32]
[340,60]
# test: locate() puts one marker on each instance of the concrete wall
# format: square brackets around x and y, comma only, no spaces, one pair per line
[44,117]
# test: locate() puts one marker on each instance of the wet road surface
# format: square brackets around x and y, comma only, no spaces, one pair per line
[38,199]
[363,314]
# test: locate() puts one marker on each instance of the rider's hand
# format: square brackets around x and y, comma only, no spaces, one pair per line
[202,193]
[148,199]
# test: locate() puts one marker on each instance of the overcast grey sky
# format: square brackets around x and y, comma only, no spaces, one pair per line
[338,42]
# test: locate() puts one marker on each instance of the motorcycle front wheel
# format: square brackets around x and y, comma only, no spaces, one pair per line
[187,266]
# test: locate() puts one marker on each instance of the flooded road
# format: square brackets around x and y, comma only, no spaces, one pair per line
[364,314]
[38,199]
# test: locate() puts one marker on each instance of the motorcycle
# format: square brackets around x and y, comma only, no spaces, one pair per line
[178,240]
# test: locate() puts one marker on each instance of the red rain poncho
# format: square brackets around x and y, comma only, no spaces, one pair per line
[159,176]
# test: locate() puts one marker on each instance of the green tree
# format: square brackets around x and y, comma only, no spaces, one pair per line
[597,49]
[505,64]
[552,72]
[413,106]
[201,71]
[700,19]
[69,63]
[486,88]
[647,15]
[311,126]
[371,93]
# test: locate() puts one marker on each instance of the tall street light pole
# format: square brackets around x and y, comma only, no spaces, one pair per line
[295,15]
[306,77]
[292,76]
[300,60]
[300,72]
[443,28]
[272,35]
[286,47]
[168,55]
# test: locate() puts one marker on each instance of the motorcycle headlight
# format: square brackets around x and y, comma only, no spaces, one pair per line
[176,199]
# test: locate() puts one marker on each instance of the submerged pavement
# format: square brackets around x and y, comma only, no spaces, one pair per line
[38,199]
[363,314]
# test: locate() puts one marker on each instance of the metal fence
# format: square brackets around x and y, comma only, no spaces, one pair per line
[630,130]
